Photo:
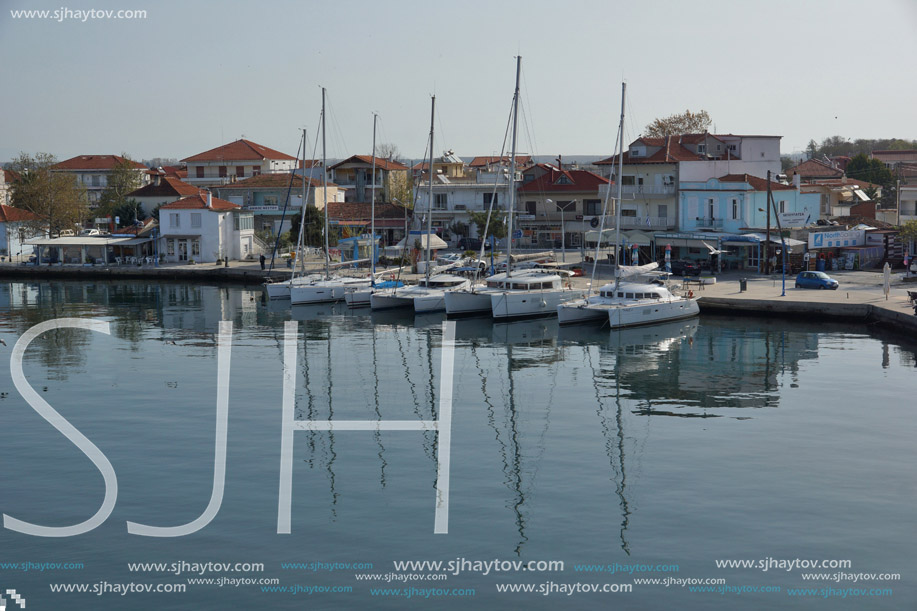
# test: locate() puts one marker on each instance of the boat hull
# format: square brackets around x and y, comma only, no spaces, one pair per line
[529,304]
[651,313]
[467,303]
[579,311]
[324,290]
[389,300]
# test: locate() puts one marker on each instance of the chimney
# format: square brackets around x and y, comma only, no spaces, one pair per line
[209,199]
[797,180]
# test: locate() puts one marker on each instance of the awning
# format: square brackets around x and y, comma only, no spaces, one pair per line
[88,241]
[435,242]
[608,235]
[638,237]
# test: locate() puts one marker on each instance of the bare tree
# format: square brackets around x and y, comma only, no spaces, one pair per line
[56,197]
[685,123]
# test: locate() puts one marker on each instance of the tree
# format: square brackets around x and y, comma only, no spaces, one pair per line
[786,162]
[685,123]
[387,150]
[313,227]
[908,232]
[128,212]
[812,149]
[123,179]
[862,167]
[56,197]
[497,226]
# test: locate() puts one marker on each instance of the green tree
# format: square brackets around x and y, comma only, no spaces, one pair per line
[122,179]
[685,123]
[312,227]
[497,226]
[128,212]
[812,149]
[56,197]
[908,231]
[862,167]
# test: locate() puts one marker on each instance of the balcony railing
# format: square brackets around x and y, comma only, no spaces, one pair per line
[640,190]
[644,222]
[708,223]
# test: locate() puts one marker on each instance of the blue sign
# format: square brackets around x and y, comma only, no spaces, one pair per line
[517,234]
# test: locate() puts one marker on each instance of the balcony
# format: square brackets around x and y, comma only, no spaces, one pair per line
[642,191]
[645,222]
[711,223]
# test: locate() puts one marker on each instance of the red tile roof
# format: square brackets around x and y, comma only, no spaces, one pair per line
[10,176]
[757,184]
[272,181]
[553,180]
[9,214]
[199,201]
[96,162]
[480,162]
[815,168]
[382,164]
[168,186]
[240,150]
[671,151]
[357,211]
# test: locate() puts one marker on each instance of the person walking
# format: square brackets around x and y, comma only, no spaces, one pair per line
[262,260]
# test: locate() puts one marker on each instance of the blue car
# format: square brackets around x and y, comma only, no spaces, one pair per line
[815,280]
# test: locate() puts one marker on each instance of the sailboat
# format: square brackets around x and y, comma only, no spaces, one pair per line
[428,295]
[628,303]
[281,289]
[534,292]
[329,288]
[359,297]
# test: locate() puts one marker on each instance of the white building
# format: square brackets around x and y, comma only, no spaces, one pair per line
[17,226]
[203,228]
[235,161]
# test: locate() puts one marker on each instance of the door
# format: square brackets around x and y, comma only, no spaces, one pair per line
[182,250]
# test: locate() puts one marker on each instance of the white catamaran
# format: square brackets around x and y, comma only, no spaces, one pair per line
[627,303]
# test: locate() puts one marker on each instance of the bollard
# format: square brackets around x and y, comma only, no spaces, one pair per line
[743,285]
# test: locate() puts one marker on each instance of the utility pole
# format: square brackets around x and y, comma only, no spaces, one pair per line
[767,240]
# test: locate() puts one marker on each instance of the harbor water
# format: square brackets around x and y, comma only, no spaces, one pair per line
[714,463]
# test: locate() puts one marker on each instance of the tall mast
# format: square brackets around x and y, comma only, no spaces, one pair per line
[325,191]
[302,210]
[620,191]
[512,173]
[372,224]
[430,204]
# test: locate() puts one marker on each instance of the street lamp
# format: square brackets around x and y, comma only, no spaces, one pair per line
[563,232]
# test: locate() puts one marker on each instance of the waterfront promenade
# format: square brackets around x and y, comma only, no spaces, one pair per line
[860,295]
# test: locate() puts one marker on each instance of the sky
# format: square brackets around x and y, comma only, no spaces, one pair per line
[193,75]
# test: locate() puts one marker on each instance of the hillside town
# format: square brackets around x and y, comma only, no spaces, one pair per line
[720,201]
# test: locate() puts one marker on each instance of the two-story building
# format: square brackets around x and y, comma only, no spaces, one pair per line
[557,206]
[93,171]
[264,196]
[235,161]
[162,190]
[354,176]
[203,228]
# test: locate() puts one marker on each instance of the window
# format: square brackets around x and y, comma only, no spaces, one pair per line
[222,171]
[735,209]
[732,147]
[256,170]
[663,211]
[628,181]
[270,200]
[195,220]
[531,208]
[626,212]
[710,207]
[491,196]
[593,207]
[174,219]
[95,180]
[782,206]
[200,171]
[195,248]
[170,248]
[701,149]
[440,200]
[240,171]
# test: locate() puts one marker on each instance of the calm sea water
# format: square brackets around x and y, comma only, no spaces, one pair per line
[661,450]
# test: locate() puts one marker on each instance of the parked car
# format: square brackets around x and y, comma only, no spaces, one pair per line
[815,280]
[685,268]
